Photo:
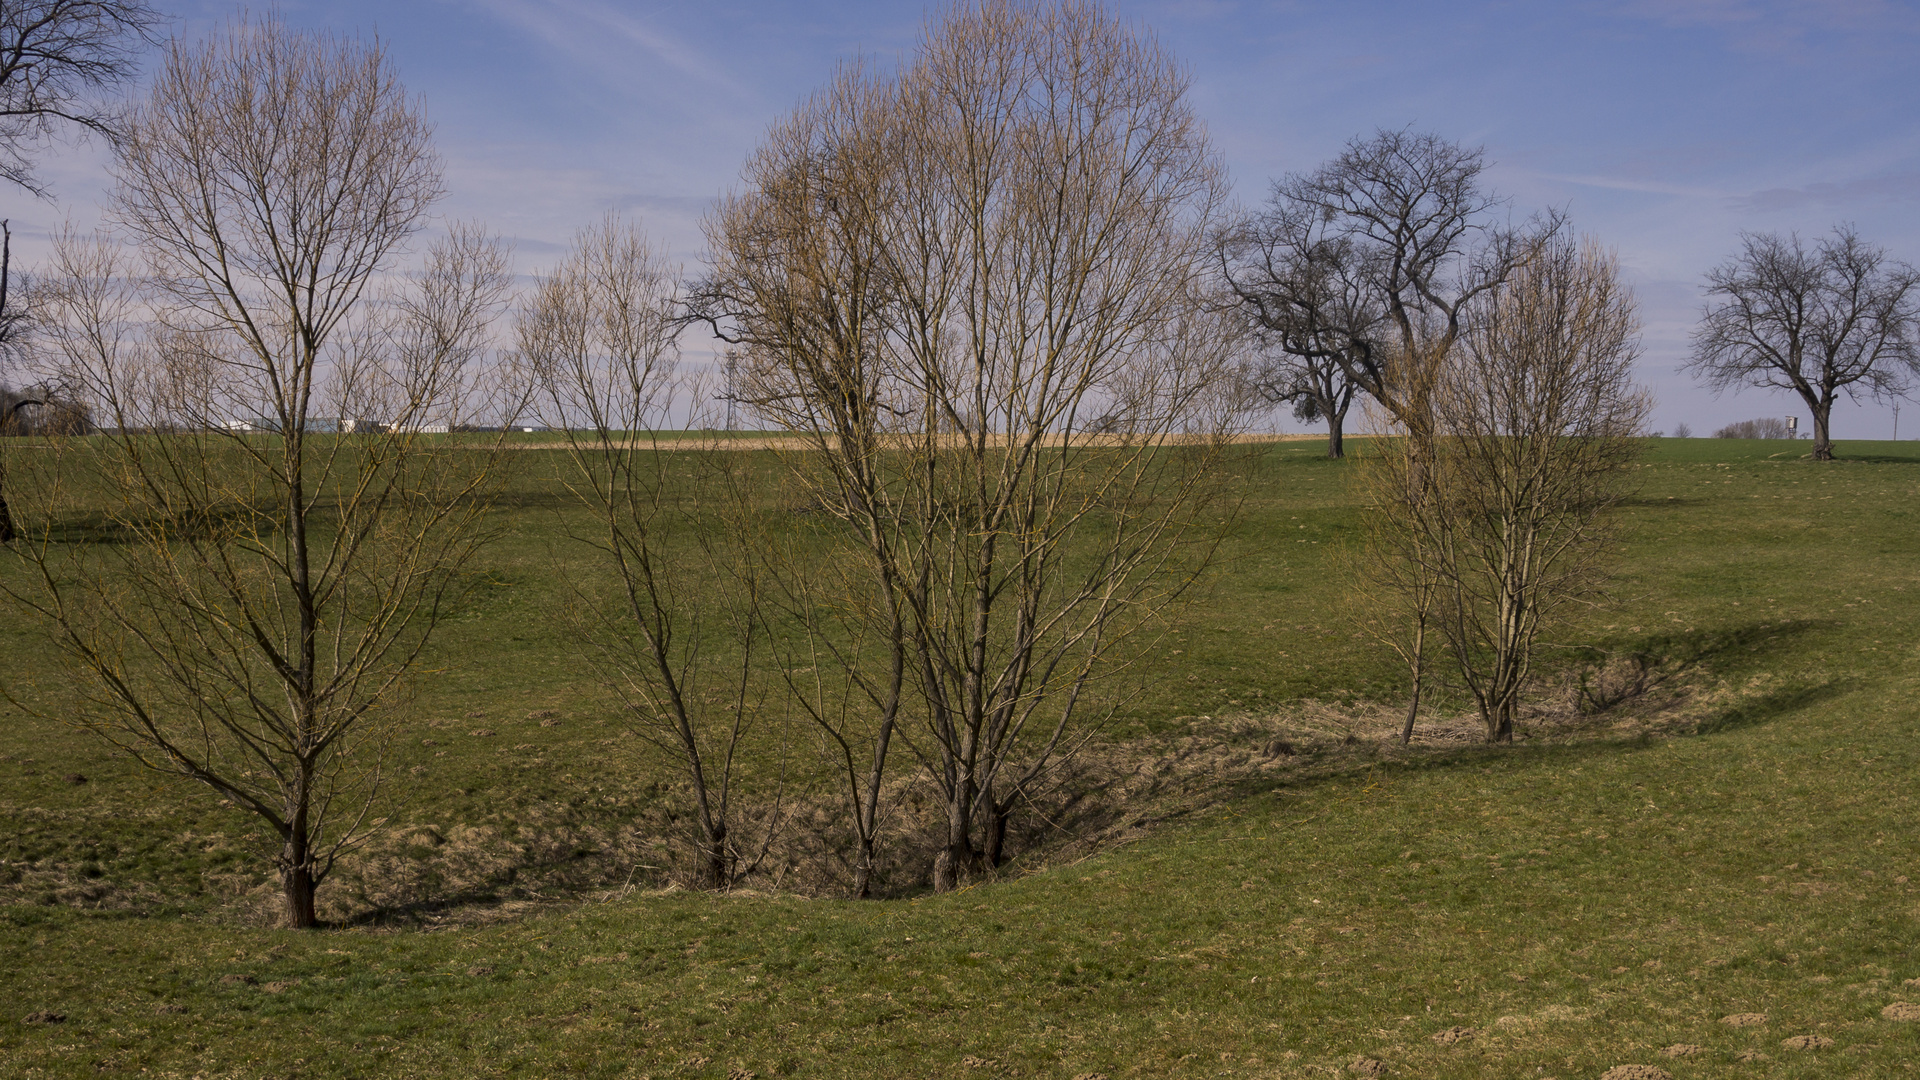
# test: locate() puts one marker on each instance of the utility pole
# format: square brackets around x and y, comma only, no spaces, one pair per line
[733,373]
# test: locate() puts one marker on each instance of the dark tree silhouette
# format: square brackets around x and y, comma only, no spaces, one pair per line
[1840,316]
[56,56]
[1371,262]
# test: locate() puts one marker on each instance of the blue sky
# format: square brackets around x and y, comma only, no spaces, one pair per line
[1665,127]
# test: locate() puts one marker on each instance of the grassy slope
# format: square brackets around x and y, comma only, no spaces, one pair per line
[1578,903]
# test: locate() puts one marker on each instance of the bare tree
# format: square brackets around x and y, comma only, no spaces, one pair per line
[1839,317]
[1396,570]
[1506,517]
[12,329]
[1766,427]
[679,638]
[1316,387]
[942,282]
[243,595]
[1373,261]
[55,57]
[63,415]
[804,288]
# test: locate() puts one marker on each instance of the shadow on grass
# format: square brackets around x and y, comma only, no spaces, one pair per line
[479,901]
[1372,762]
[1666,656]
[1894,458]
[1620,701]
[1756,711]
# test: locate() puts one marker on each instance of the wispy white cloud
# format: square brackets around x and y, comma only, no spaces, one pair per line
[1897,187]
[1616,183]
[600,40]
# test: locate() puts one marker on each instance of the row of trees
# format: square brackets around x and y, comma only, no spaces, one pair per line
[1371,259]
[974,293]
[980,295]
[943,282]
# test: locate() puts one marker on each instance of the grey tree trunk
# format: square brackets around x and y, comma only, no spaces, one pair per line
[298,883]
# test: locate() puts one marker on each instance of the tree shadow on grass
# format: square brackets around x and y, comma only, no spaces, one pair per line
[1373,761]
[1877,452]
[1755,711]
[1603,679]
[1611,701]
[1695,649]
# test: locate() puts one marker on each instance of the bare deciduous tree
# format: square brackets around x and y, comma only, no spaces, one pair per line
[679,637]
[242,593]
[944,283]
[1311,380]
[54,55]
[1765,427]
[1839,317]
[1506,517]
[1373,261]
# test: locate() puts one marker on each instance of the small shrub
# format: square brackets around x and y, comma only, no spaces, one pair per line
[1766,427]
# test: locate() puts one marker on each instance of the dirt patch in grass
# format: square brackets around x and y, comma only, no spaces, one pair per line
[1636,1072]
[1106,793]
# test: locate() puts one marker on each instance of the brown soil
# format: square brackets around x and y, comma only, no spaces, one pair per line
[1807,1042]
[1683,1050]
[1901,1010]
[1454,1035]
[1636,1072]
[1744,1020]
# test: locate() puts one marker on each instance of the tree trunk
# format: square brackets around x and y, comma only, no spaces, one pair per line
[863,872]
[297,884]
[6,519]
[1413,704]
[1499,722]
[1336,435]
[996,835]
[714,852]
[945,877]
[1822,432]
[958,856]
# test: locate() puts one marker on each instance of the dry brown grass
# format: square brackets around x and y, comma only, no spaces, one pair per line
[1109,793]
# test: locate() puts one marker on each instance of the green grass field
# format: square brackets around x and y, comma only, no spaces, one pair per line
[1735,838]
